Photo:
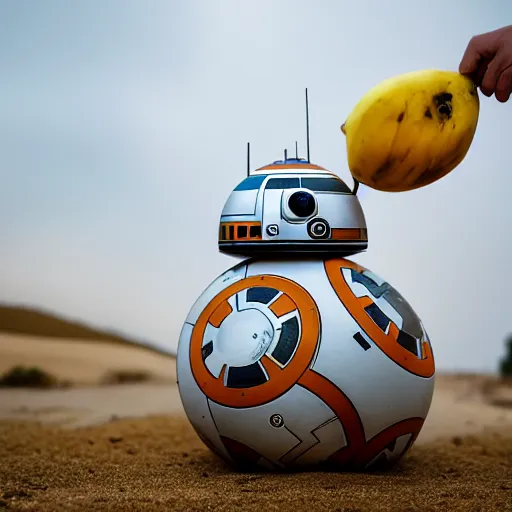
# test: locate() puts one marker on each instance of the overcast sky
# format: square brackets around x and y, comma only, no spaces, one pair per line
[123,129]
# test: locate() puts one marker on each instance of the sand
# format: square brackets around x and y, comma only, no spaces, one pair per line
[130,447]
[159,464]
[82,362]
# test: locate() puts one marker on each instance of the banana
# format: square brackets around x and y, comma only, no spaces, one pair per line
[411,130]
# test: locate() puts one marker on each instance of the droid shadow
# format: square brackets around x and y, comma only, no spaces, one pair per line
[379,467]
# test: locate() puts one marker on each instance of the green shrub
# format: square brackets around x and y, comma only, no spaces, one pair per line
[23,377]
[506,362]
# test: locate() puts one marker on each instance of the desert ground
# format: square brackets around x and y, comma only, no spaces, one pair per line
[95,444]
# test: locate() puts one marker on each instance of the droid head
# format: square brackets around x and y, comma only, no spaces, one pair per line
[292,206]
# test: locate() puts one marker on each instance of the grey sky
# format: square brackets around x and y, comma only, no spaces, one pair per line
[124,126]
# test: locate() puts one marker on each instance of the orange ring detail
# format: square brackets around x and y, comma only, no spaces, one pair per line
[280,379]
[386,342]
[379,442]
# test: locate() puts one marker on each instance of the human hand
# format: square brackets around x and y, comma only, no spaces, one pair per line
[488,60]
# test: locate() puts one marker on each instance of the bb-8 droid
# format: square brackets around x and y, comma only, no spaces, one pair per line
[304,358]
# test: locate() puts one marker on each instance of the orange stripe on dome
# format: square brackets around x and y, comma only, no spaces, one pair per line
[272,167]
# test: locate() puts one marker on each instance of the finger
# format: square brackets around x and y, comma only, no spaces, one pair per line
[501,61]
[479,47]
[504,86]
[479,74]
[471,57]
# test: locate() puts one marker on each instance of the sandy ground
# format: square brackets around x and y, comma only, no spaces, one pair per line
[129,447]
[458,407]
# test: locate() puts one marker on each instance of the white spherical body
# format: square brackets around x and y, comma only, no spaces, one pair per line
[288,364]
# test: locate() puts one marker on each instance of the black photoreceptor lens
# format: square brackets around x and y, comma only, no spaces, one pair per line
[302,204]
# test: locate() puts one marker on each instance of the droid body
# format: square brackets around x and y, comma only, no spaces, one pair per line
[286,364]
[298,356]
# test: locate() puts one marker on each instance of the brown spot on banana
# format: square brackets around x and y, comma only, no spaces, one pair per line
[382,169]
[429,177]
[405,155]
[342,128]
[409,172]
[443,103]
[400,117]
[428,113]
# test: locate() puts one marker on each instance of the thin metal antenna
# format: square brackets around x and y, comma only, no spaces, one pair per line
[296,151]
[285,155]
[248,158]
[307,123]
[356,186]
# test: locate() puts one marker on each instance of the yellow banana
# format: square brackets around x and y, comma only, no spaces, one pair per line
[411,130]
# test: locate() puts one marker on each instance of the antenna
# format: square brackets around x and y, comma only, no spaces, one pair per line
[356,186]
[285,155]
[296,151]
[307,123]
[248,158]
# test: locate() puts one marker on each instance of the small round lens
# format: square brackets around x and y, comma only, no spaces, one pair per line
[302,204]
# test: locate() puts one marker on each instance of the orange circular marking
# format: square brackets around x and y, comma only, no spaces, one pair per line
[280,379]
[386,342]
[282,306]
[365,301]
[271,367]
[222,311]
